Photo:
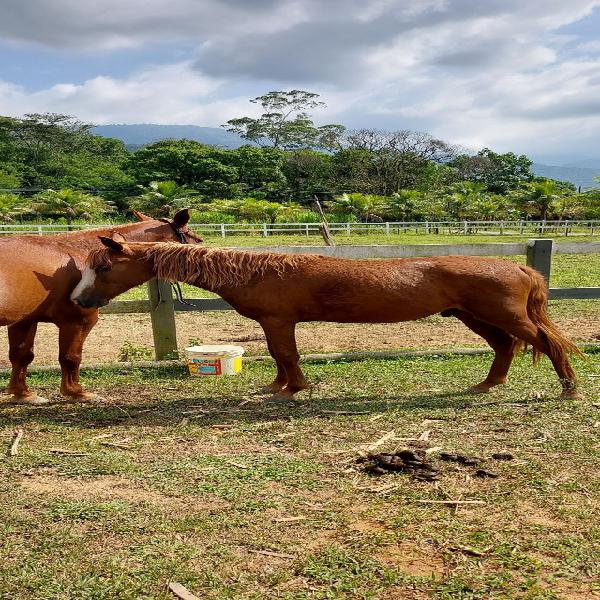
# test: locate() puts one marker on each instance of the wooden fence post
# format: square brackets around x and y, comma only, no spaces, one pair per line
[539,256]
[162,315]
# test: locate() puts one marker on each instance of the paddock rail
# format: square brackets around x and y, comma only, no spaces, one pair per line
[501,228]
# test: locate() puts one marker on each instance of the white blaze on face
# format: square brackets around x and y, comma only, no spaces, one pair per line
[88,276]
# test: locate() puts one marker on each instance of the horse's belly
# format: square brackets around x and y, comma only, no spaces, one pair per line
[21,294]
[384,308]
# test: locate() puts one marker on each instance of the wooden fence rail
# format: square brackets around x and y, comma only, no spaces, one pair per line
[162,307]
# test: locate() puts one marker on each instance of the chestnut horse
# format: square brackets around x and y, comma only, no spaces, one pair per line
[37,276]
[503,302]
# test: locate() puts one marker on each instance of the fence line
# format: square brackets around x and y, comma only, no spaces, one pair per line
[162,307]
[590,226]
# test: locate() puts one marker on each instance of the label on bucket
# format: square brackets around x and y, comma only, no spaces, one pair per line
[214,360]
[205,367]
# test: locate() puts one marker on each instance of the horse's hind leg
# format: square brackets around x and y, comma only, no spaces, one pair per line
[71,336]
[529,332]
[502,343]
[281,340]
[20,339]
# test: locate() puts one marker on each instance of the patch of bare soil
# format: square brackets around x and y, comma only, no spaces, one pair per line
[529,514]
[113,331]
[108,488]
[413,560]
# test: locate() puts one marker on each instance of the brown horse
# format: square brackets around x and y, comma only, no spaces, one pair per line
[502,302]
[38,275]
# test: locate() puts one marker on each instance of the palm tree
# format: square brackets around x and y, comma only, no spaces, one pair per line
[365,206]
[68,204]
[11,205]
[538,197]
[160,198]
[406,205]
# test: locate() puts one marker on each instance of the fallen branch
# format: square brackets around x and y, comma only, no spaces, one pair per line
[118,445]
[470,551]
[275,554]
[345,412]
[181,591]
[451,502]
[382,440]
[424,437]
[289,519]
[14,448]
[68,452]
[236,464]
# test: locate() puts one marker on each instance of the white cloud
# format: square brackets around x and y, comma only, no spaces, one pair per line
[163,94]
[498,73]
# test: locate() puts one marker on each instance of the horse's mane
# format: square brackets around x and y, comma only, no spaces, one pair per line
[215,268]
[99,259]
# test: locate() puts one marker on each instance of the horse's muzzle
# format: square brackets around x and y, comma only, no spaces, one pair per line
[90,302]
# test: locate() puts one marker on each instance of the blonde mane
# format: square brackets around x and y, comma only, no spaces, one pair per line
[214,268]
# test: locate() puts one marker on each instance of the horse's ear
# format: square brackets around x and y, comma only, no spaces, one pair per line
[111,244]
[141,216]
[117,237]
[181,218]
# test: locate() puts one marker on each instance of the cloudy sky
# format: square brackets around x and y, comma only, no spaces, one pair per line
[508,74]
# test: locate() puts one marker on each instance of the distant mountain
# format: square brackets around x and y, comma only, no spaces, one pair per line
[588,163]
[138,135]
[579,176]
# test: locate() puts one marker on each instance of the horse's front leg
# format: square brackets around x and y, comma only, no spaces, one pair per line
[280,380]
[20,341]
[281,340]
[71,337]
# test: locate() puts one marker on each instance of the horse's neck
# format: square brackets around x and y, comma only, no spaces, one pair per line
[88,238]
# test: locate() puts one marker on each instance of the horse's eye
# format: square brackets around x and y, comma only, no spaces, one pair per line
[102,269]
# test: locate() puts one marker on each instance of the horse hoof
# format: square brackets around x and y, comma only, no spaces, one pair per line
[571,395]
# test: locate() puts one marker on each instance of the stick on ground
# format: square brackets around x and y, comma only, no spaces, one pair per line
[14,447]
[451,502]
[181,591]
[275,554]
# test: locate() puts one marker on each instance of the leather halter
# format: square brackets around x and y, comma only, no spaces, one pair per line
[183,238]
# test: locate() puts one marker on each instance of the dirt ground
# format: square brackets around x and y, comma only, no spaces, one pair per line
[113,331]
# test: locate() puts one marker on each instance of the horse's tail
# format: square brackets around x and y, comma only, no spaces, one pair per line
[537,303]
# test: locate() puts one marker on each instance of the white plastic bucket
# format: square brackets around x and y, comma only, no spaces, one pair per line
[214,361]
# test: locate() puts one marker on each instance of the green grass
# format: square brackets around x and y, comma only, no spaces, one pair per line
[204,475]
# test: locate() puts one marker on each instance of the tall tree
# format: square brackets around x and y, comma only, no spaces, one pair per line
[285,122]
[396,159]
[58,151]
[505,172]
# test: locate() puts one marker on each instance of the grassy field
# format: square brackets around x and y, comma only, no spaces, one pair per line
[239,497]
